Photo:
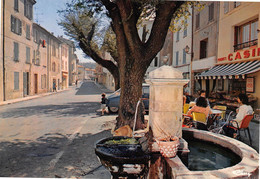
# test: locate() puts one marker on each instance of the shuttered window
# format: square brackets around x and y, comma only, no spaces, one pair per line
[226,7]
[16,25]
[43,81]
[16,5]
[197,20]
[28,32]
[16,51]
[211,11]
[177,58]
[185,31]
[184,56]
[16,80]
[178,36]
[28,55]
[28,12]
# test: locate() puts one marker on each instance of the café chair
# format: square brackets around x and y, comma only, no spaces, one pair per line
[223,109]
[243,127]
[185,108]
[199,118]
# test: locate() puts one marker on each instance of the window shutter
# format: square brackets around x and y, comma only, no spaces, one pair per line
[197,20]
[178,36]
[226,7]
[19,27]
[30,11]
[25,9]
[16,51]
[177,58]
[28,32]
[12,24]
[16,80]
[28,55]
[16,5]
[184,56]
[211,11]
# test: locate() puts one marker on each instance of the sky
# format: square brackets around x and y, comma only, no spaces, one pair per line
[45,14]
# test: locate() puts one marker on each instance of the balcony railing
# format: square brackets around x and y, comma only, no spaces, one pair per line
[245,45]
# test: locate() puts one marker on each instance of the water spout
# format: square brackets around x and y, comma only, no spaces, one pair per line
[136,115]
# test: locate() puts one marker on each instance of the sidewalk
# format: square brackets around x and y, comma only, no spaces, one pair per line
[33,96]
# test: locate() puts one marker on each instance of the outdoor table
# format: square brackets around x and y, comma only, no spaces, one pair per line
[216,113]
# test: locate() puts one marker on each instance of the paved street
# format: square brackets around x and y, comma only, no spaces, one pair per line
[53,136]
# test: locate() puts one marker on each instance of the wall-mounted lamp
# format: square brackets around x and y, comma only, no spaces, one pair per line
[187,49]
[165,59]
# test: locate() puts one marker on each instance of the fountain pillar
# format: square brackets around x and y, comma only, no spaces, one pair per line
[166,101]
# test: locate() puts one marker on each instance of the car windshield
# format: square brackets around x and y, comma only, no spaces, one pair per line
[116,93]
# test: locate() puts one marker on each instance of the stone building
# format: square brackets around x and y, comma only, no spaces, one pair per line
[39,60]
[17,22]
[81,72]
[1,54]
[181,39]
[205,42]
[238,64]
[72,61]
[54,63]
[64,65]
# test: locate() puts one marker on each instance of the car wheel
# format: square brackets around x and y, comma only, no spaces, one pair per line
[113,109]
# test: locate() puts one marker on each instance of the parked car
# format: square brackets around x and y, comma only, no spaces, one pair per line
[114,98]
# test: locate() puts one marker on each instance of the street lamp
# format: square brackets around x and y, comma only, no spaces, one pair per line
[187,49]
[165,59]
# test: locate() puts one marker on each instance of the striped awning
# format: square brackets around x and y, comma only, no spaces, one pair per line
[230,70]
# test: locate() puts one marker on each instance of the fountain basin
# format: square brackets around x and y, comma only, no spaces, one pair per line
[248,167]
[122,159]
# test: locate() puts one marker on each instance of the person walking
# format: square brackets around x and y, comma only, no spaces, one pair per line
[54,86]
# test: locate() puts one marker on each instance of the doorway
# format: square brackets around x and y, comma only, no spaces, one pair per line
[25,83]
[35,83]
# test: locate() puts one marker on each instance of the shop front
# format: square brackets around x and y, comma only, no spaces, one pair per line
[236,73]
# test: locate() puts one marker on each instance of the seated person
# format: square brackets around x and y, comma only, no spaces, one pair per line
[242,111]
[201,106]
[203,94]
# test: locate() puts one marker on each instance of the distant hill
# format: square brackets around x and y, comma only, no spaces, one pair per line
[88,65]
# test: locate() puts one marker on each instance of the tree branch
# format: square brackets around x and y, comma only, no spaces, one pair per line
[85,45]
[160,27]
[129,19]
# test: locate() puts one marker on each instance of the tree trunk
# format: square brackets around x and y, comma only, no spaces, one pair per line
[131,91]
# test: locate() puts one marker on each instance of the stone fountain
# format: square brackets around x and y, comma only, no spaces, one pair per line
[165,119]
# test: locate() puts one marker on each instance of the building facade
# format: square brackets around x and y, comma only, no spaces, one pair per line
[65,65]
[205,43]
[72,61]
[39,60]
[17,21]
[81,72]
[54,63]
[239,29]
[2,95]
[182,38]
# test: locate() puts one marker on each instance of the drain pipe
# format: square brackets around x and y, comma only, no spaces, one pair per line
[4,98]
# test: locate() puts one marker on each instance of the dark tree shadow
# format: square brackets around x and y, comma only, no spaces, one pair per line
[32,158]
[65,110]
